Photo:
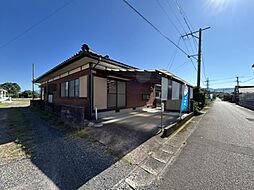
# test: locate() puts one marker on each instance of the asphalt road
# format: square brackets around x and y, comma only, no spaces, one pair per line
[218,155]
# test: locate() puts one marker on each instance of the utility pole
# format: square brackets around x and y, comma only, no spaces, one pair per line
[199,51]
[237,90]
[33,81]
[207,84]
[199,57]
[237,81]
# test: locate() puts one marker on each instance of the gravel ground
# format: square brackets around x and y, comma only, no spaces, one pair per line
[60,161]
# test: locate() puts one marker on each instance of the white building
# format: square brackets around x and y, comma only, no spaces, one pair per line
[3,95]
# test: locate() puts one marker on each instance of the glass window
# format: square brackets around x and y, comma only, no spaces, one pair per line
[71,88]
[121,96]
[63,89]
[121,87]
[121,100]
[50,98]
[66,89]
[77,88]
[116,94]
[111,86]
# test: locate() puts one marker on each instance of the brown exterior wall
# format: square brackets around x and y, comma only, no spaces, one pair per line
[135,91]
[57,99]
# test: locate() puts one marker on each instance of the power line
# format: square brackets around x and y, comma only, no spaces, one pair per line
[36,24]
[193,64]
[177,19]
[186,21]
[248,80]
[158,2]
[174,69]
[204,70]
[223,82]
[222,79]
[173,56]
[155,28]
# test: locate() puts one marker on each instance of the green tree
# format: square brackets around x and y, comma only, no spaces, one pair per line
[29,94]
[12,88]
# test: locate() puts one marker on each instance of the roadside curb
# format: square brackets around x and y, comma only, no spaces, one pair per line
[173,127]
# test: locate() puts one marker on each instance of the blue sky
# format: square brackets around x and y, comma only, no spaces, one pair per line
[110,27]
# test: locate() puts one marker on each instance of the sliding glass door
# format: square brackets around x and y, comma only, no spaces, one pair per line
[116,96]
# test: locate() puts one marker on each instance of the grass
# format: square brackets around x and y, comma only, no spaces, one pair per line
[82,134]
[3,105]
[20,130]
[14,102]
[52,119]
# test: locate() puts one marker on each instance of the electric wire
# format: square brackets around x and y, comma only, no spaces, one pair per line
[154,27]
[35,24]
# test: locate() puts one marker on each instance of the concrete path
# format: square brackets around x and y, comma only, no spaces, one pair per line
[218,155]
[125,132]
[148,161]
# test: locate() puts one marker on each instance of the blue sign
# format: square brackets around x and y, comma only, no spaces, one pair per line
[185,99]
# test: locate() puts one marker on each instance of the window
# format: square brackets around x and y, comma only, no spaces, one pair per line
[116,94]
[121,92]
[77,88]
[65,89]
[50,98]
[42,93]
[70,88]
[111,93]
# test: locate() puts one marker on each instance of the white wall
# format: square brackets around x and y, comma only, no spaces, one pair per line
[83,87]
[100,92]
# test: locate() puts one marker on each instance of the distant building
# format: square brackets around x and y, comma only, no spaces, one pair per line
[3,95]
[245,96]
[88,81]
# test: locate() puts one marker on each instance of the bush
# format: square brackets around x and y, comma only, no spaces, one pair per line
[199,97]
[227,97]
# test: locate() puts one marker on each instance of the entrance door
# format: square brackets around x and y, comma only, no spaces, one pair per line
[116,94]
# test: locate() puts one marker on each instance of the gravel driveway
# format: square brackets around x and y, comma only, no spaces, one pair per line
[59,161]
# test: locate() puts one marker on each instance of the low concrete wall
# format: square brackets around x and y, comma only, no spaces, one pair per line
[247,104]
[74,114]
[172,128]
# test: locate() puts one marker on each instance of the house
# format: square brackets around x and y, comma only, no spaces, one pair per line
[88,82]
[245,96]
[3,95]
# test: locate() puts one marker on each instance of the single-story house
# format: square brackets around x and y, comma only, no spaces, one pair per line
[88,82]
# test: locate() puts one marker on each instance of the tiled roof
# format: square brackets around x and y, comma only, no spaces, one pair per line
[152,70]
[85,52]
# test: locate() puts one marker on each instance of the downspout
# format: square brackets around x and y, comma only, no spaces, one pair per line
[91,86]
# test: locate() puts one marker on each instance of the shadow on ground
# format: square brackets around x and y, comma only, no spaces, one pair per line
[125,132]
[68,161]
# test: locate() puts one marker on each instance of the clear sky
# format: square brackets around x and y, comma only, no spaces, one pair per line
[111,28]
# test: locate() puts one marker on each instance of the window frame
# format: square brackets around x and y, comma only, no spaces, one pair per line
[65,87]
[116,93]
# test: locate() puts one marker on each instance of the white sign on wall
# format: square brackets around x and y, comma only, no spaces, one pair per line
[175,90]
[191,93]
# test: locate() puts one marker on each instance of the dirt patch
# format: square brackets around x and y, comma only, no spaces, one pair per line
[17,132]
[11,152]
